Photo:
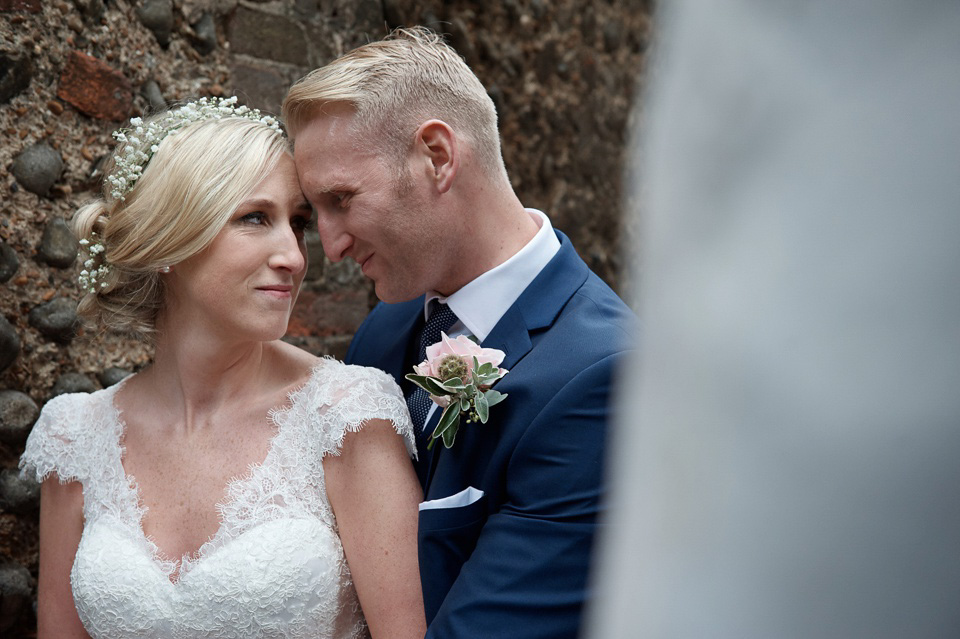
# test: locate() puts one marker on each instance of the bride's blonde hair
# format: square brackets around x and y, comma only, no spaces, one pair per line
[189,188]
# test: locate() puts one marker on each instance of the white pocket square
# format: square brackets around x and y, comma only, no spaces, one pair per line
[464,498]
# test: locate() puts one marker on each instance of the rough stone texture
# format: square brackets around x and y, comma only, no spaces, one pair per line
[17,414]
[562,75]
[8,262]
[37,168]
[261,85]
[73,383]
[205,34]
[9,343]
[56,319]
[157,15]
[95,88]
[91,9]
[58,245]
[151,91]
[18,495]
[16,586]
[359,21]
[267,36]
[332,313]
[15,75]
[30,6]
[112,375]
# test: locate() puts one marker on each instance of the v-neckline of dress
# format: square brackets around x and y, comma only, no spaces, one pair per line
[176,568]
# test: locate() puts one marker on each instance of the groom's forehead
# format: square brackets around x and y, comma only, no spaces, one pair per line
[325,176]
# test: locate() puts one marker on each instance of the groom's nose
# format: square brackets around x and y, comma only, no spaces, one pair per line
[336,241]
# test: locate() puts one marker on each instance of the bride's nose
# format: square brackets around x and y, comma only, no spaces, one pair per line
[288,253]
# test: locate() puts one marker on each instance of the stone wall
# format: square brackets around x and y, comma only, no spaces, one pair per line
[561,73]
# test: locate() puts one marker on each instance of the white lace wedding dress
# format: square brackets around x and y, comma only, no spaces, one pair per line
[275,568]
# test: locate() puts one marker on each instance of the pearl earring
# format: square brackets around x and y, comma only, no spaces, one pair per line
[164,269]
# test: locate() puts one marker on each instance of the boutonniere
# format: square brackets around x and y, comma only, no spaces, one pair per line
[458,374]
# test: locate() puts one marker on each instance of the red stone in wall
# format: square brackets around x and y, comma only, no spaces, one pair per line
[30,6]
[95,88]
[326,314]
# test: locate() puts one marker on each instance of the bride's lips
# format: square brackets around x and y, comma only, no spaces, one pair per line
[277,291]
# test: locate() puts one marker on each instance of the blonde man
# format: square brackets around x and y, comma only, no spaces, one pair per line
[397,149]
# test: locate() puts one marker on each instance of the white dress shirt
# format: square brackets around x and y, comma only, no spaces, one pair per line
[481,303]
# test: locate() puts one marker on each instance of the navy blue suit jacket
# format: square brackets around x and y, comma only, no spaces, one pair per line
[515,563]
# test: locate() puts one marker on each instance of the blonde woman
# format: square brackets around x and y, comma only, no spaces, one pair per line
[237,487]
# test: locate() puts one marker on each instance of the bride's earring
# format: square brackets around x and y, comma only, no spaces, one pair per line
[164,269]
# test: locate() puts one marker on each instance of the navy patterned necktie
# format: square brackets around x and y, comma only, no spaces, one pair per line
[419,402]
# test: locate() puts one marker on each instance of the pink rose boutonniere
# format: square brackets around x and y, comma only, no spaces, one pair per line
[458,374]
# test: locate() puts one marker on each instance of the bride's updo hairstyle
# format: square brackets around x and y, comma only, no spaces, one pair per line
[191,182]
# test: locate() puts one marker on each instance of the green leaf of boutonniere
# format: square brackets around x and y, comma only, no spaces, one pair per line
[450,434]
[483,408]
[453,386]
[448,426]
[494,397]
[429,384]
[485,369]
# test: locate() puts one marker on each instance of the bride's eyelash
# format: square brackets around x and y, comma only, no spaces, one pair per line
[255,217]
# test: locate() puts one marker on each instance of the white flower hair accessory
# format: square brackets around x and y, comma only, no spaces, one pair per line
[141,141]
[91,277]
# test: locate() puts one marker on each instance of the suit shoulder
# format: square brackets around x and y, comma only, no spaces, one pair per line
[381,321]
[600,311]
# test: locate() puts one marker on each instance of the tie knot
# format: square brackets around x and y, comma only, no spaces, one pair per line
[442,315]
[440,321]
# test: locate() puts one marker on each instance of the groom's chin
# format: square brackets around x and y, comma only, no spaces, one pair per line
[393,295]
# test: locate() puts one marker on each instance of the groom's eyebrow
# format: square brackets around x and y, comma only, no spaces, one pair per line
[336,187]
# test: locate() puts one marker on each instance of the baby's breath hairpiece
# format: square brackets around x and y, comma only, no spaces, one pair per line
[141,141]
[91,277]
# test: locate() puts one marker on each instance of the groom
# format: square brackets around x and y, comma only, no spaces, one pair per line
[397,149]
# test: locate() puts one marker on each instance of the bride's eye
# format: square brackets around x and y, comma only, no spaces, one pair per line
[256,218]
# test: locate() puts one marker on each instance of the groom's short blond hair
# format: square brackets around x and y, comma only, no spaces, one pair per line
[396,84]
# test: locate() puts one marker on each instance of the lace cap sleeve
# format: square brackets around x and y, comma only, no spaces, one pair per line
[346,396]
[57,440]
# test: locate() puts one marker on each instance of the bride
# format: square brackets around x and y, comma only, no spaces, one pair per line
[238,487]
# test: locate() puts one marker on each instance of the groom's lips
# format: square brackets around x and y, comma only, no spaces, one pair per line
[363,263]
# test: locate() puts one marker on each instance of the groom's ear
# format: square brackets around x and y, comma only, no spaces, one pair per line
[437,144]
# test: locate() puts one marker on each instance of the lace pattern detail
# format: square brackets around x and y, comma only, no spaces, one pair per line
[336,399]
[275,566]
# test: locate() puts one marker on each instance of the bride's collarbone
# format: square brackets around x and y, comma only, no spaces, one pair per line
[182,479]
[229,440]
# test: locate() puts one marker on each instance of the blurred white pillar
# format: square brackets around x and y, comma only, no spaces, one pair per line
[790,466]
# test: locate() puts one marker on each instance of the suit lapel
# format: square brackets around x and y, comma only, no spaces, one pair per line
[539,305]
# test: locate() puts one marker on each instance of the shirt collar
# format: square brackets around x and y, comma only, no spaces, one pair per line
[481,303]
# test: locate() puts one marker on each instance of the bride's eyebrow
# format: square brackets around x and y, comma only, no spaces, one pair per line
[257,203]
